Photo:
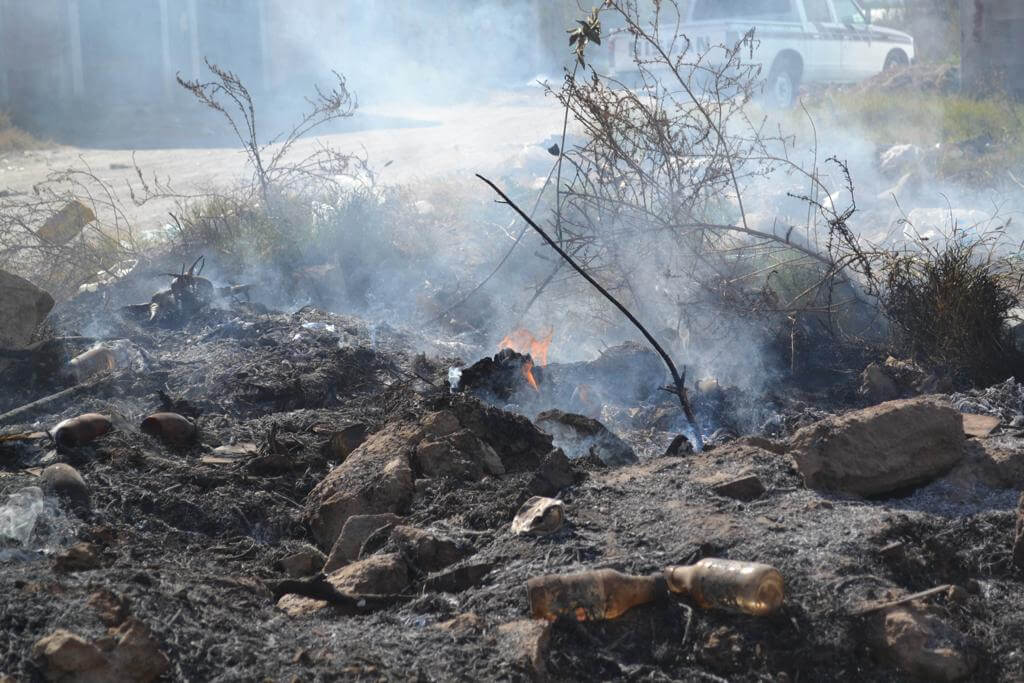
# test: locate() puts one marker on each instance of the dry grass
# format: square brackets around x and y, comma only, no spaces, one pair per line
[949,306]
[14,139]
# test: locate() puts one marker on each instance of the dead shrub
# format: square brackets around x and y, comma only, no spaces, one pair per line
[949,305]
[14,139]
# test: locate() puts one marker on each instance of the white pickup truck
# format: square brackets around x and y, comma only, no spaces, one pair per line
[798,41]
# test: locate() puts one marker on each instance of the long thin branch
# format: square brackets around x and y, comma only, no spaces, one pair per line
[684,400]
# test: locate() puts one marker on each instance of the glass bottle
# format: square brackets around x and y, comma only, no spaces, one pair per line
[732,585]
[591,595]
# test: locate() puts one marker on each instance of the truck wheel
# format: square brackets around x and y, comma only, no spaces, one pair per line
[895,59]
[783,82]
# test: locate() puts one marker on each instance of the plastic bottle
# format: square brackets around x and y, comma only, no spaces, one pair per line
[591,595]
[746,587]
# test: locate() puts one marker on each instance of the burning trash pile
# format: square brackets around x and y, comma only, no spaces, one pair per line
[201,486]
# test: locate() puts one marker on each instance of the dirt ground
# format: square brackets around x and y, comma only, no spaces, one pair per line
[420,142]
[190,547]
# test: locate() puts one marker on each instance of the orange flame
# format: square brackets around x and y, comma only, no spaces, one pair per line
[523,341]
[528,374]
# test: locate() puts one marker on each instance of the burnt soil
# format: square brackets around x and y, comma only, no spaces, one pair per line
[193,547]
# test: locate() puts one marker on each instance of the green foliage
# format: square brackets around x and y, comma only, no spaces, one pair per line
[974,140]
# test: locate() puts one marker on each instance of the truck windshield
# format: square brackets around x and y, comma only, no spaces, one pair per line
[778,10]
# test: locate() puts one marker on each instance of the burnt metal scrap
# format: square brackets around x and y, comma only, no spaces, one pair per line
[188,294]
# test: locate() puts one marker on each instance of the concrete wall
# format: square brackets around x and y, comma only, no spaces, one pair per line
[992,58]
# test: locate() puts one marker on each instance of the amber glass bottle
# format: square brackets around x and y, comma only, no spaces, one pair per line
[591,595]
[607,594]
[736,586]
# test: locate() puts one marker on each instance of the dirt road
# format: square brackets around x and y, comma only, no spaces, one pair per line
[422,142]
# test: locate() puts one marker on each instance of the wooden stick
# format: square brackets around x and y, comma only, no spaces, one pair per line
[901,601]
[52,398]
[676,379]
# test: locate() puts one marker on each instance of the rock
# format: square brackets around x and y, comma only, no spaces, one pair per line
[355,532]
[137,655]
[923,645]
[23,308]
[342,443]
[467,622]
[744,488]
[460,455]
[554,474]
[374,479]
[63,655]
[111,608]
[980,426]
[307,561]
[577,435]
[1018,542]
[441,423]
[460,578]
[64,482]
[517,441]
[79,557]
[876,385]
[679,447]
[375,575]
[427,550]
[524,643]
[128,653]
[880,449]
[539,516]
[300,606]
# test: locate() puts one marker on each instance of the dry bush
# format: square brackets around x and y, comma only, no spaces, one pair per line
[62,259]
[14,139]
[950,303]
[655,202]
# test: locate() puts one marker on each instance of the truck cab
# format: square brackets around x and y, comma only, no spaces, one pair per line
[797,41]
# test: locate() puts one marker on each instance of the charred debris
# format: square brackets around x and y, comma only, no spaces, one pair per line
[236,487]
[196,484]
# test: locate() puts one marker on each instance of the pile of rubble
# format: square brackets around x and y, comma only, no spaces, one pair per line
[240,492]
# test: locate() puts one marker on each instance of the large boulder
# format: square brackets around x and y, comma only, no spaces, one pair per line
[375,479]
[23,307]
[881,449]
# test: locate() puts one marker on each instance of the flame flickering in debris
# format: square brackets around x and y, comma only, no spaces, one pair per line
[528,374]
[523,341]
